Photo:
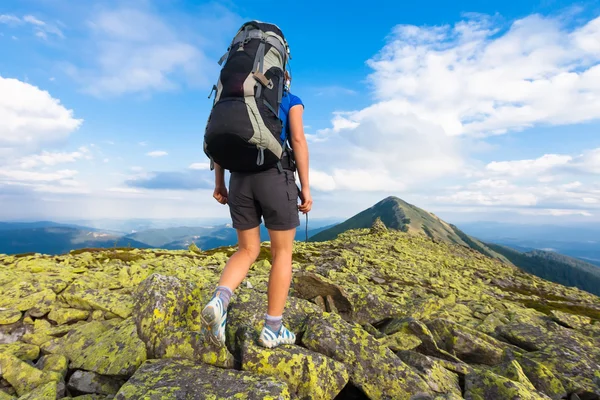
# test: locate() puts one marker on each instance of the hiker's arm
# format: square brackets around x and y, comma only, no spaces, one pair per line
[300,147]
[220,193]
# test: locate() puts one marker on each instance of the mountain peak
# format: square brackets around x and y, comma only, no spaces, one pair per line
[396,213]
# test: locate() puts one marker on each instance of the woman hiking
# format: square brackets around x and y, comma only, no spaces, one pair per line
[272,195]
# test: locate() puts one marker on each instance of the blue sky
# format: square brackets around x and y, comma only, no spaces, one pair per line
[474,110]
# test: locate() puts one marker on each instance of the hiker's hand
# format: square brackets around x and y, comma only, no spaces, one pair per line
[220,194]
[306,200]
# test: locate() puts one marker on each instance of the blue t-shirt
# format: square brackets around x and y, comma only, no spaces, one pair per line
[288,101]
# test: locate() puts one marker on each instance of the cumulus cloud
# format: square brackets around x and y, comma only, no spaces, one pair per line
[31,117]
[439,88]
[475,78]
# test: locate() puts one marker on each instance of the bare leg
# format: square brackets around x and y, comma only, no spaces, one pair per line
[239,263]
[282,244]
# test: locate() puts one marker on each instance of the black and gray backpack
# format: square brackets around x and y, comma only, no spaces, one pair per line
[243,130]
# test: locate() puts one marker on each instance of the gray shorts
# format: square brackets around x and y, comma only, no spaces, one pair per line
[270,194]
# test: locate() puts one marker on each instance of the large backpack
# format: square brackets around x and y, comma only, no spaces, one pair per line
[243,132]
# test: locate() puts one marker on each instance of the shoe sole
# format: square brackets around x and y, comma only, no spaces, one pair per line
[208,318]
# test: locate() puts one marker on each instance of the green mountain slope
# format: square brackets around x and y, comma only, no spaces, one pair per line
[397,214]
[554,267]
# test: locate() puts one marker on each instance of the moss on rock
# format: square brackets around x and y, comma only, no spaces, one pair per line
[439,379]
[374,368]
[9,316]
[22,376]
[65,315]
[54,363]
[21,350]
[485,385]
[100,299]
[309,375]
[170,379]
[47,391]
[467,344]
[117,351]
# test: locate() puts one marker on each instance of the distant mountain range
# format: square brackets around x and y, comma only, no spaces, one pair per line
[577,240]
[54,238]
[51,238]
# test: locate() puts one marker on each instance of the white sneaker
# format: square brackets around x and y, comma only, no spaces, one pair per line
[214,318]
[270,339]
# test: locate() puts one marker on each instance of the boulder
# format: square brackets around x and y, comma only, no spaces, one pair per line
[309,375]
[102,348]
[93,383]
[485,385]
[46,391]
[99,299]
[65,315]
[467,344]
[22,376]
[54,363]
[21,350]
[167,318]
[373,368]
[184,379]
[439,379]
[9,316]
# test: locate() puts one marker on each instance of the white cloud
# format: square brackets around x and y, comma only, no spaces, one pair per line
[556,212]
[139,51]
[529,167]
[473,78]
[34,176]
[41,28]
[30,117]
[143,143]
[136,169]
[9,19]
[200,166]
[124,190]
[50,158]
[157,153]
[33,20]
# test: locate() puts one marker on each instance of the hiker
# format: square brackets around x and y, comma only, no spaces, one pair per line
[262,181]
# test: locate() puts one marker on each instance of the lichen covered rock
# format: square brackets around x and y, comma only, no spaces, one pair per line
[9,316]
[92,383]
[117,351]
[309,375]
[65,315]
[21,350]
[47,391]
[183,379]
[448,311]
[439,379]
[22,376]
[485,385]
[374,368]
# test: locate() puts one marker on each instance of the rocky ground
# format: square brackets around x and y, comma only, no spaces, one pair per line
[379,315]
